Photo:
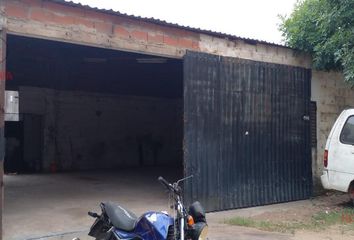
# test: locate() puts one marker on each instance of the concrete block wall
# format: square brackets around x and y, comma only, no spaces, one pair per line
[91,131]
[332,96]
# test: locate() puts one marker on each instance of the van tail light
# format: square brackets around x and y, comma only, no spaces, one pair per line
[325,158]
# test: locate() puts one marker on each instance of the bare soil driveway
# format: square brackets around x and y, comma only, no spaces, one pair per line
[330,216]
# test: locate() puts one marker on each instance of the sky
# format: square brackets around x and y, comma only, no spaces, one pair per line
[257,19]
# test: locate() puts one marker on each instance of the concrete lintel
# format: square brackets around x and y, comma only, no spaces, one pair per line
[86,38]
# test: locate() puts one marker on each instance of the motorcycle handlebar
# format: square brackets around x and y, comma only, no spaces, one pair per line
[164,182]
[94,215]
[169,186]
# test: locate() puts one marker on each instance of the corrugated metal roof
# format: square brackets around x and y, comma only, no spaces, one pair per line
[168,24]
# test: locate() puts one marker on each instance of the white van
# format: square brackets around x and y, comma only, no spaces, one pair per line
[338,173]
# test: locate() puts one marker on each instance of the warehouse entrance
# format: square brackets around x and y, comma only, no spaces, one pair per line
[123,116]
[94,108]
[89,125]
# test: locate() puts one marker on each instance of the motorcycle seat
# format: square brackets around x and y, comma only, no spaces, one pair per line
[120,217]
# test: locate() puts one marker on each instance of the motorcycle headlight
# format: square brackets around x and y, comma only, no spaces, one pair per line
[200,231]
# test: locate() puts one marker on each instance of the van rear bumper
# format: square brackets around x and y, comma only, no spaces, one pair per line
[325,180]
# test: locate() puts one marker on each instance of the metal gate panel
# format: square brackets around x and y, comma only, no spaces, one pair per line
[246,132]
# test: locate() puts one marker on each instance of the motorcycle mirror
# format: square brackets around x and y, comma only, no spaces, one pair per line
[183,179]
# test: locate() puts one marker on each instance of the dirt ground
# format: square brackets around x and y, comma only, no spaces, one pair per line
[293,212]
[55,207]
[284,212]
[327,202]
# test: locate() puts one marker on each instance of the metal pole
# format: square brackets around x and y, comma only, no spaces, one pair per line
[2,116]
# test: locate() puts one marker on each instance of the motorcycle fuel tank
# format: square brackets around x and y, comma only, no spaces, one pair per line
[150,226]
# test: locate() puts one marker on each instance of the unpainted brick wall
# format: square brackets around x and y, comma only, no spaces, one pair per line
[332,96]
[78,24]
[50,20]
[92,131]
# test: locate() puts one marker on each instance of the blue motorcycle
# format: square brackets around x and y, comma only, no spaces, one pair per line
[118,223]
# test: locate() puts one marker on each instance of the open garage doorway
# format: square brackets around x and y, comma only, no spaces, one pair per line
[92,125]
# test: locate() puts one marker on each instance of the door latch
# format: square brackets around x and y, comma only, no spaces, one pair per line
[306,118]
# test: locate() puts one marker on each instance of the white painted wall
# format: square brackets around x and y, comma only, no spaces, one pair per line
[90,130]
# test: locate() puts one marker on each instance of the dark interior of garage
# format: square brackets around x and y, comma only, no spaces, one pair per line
[84,108]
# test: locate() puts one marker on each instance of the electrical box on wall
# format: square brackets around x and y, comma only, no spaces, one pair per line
[12,106]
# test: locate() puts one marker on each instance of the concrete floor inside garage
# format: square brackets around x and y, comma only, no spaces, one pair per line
[44,206]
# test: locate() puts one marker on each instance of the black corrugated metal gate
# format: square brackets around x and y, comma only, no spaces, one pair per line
[246,132]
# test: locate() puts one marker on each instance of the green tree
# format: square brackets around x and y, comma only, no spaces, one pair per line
[324,28]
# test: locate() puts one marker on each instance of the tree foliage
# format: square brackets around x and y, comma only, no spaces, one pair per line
[324,28]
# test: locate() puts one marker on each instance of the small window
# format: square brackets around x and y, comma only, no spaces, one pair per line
[347,134]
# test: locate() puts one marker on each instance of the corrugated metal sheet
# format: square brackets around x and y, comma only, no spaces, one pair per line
[168,24]
[246,140]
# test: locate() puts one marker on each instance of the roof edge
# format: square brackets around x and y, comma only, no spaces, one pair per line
[168,24]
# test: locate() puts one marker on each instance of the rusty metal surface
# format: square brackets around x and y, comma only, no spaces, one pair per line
[246,140]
